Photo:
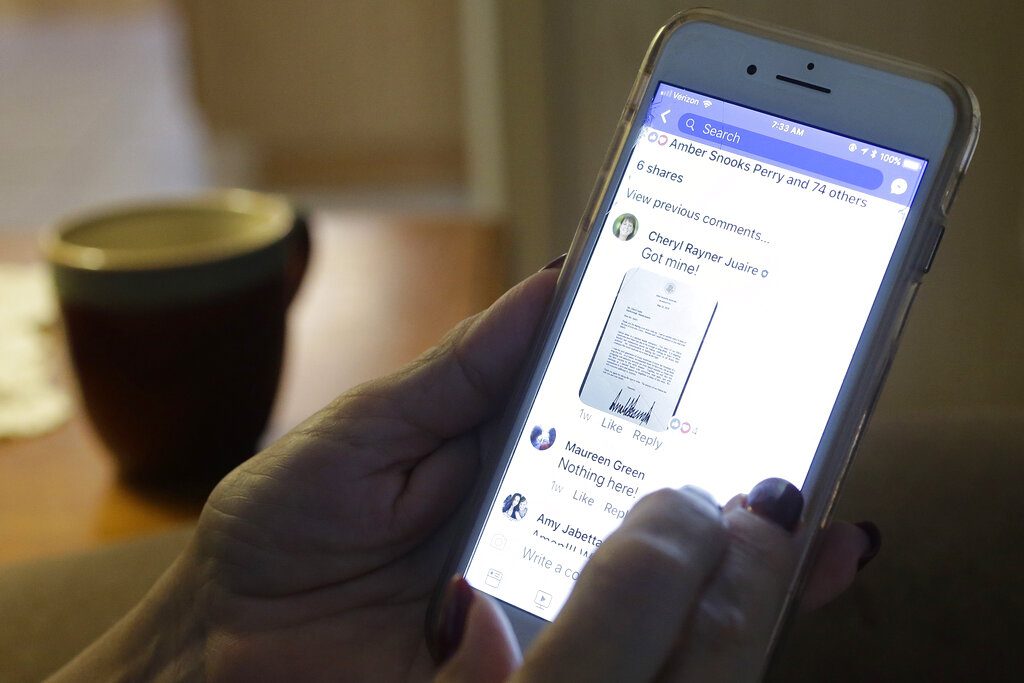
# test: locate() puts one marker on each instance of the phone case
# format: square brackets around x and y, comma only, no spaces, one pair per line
[842,436]
[881,333]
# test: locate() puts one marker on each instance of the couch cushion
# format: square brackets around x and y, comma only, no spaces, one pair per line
[51,609]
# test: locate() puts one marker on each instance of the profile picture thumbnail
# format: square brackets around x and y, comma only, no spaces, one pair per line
[514,506]
[625,227]
[541,439]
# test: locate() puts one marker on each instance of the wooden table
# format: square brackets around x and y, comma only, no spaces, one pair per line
[380,289]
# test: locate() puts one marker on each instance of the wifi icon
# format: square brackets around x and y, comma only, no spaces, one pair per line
[707,103]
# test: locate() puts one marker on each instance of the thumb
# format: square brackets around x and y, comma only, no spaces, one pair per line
[486,649]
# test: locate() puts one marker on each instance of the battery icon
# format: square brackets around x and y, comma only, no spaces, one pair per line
[912,164]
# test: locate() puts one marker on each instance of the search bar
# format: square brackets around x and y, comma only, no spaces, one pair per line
[780,152]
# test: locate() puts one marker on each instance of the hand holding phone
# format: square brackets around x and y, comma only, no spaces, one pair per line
[732,299]
[317,557]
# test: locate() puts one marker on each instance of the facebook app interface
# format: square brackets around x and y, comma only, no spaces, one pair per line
[713,327]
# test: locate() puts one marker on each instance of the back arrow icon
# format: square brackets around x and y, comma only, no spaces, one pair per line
[664,114]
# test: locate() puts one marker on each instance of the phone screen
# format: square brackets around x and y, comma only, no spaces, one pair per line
[715,322]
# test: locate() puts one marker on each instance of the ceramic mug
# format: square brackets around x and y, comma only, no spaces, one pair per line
[174,314]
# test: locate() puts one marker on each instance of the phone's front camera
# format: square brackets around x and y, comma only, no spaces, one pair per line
[752,69]
[810,66]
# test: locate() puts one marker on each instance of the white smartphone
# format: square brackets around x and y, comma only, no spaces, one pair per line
[732,298]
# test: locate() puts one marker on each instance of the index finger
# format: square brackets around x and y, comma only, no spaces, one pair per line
[635,594]
[448,390]
[468,376]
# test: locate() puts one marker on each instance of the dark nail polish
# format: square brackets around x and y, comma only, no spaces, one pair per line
[874,542]
[778,501]
[556,263]
[458,596]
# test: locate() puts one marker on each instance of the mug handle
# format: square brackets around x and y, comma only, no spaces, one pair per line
[298,256]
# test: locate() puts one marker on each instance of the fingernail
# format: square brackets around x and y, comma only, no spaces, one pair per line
[703,495]
[874,542]
[458,596]
[734,503]
[557,263]
[778,501]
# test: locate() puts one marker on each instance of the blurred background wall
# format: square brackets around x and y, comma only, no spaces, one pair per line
[499,108]
[95,106]
[333,94]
